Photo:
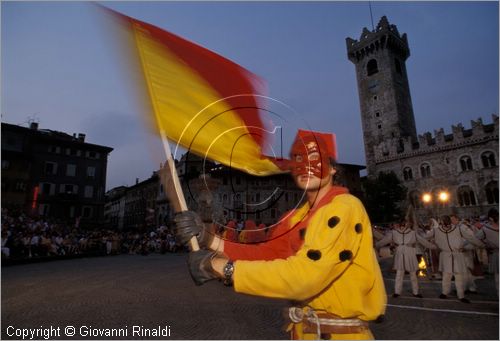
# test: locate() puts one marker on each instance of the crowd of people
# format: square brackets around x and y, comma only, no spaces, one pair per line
[463,249]
[451,248]
[25,237]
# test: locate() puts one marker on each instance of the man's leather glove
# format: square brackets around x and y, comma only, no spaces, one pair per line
[188,224]
[200,266]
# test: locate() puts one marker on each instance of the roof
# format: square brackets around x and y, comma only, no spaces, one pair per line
[53,134]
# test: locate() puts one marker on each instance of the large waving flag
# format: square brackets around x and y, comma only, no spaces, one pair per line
[201,100]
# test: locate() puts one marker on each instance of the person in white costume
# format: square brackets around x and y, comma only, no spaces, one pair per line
[489,235]
[450,237]
[470,253]
[405,255]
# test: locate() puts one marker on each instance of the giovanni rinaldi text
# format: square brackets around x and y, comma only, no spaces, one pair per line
[86,331]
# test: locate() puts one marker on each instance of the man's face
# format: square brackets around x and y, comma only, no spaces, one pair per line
[310,157]
[310,164]
[454,220]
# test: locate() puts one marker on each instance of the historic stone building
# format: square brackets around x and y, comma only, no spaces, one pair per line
[53,174]
[135,207]
[230,195]
[240,196]
[463,163]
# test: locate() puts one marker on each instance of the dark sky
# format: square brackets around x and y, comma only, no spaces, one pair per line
[62,67]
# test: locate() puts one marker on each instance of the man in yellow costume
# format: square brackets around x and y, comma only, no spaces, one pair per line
[332,273]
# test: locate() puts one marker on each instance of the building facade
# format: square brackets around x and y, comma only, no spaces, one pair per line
[53,174]
[135,207]
[463,163]
[229,194]
[114,207]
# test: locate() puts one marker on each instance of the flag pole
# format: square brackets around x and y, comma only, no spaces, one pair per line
[172,185]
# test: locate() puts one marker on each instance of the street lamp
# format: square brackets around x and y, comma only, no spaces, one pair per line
[426,198]
[444,196]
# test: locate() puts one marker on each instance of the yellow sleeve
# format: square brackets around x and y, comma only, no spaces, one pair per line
[331,245]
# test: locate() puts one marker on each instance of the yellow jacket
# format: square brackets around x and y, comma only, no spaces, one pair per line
[335,270]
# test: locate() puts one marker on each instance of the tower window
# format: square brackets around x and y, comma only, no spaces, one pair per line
[371,67]
[379,126]
[375,97]
[399,70]
[377,114]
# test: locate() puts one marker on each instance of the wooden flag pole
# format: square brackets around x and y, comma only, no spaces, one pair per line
[172,186]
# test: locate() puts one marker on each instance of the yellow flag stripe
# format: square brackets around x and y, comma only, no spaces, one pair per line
[191,112]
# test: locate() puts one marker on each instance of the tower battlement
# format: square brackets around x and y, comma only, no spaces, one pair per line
[398,148]
[464,161]
[386,35]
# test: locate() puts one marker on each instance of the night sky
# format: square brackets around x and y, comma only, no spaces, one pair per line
[61,66]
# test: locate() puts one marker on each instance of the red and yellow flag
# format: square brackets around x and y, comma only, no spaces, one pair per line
[201,100]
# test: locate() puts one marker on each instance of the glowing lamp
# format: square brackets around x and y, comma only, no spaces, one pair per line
[426,198]
[443,196]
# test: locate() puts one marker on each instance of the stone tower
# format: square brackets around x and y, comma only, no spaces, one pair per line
[384,92]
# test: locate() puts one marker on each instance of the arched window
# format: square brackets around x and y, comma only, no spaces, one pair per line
[492,192]
[488,159]
[466,196]
[371,67]
[425,170]
[407,174]
[465,163]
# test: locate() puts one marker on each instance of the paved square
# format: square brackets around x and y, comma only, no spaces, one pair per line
[156,291]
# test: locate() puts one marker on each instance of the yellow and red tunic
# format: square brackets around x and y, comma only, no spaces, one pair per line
[334,271]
